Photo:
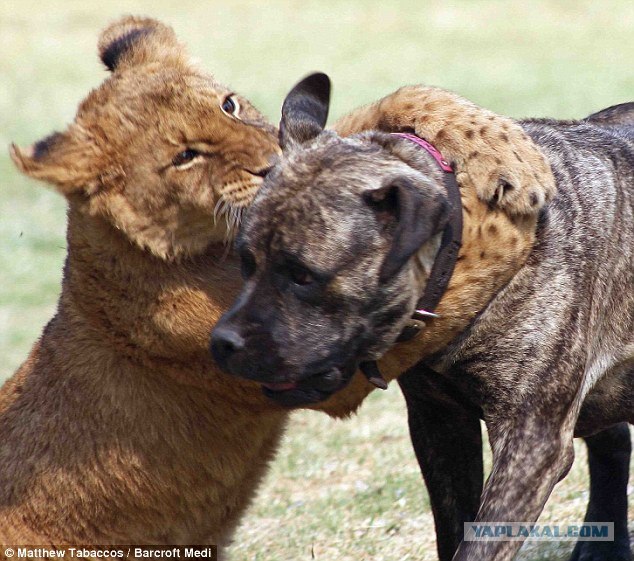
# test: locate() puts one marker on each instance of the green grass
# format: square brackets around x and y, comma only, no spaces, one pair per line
[338,490]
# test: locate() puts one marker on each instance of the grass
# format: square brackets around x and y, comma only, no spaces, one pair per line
[338,490]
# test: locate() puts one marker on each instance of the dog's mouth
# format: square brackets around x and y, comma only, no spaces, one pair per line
[313,389]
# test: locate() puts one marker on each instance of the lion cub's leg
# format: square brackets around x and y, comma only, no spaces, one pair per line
[492,152]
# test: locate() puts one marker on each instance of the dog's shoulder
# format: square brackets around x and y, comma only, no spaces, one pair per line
[579,151]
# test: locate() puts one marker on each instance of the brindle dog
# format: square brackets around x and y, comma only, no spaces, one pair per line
[339,245]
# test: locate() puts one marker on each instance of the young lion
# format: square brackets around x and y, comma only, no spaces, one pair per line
[119,428]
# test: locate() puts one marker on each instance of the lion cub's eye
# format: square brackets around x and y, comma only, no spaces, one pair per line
[230,106]
[185,157]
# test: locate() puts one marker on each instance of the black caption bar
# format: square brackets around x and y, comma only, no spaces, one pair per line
[109,552]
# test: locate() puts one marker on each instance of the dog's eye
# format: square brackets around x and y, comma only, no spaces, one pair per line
[184,157]
[230,106]
[247,264]
[299,275]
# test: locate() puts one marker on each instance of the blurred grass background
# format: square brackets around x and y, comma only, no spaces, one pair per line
[338,490]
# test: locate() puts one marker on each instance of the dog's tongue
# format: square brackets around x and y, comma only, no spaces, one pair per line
[282,386]
[323,381]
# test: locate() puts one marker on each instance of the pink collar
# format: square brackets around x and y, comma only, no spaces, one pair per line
[432,150]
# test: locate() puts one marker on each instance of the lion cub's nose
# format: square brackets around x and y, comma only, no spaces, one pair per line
[225,342]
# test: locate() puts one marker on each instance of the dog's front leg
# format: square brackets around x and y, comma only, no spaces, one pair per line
[447,440]
[530,455]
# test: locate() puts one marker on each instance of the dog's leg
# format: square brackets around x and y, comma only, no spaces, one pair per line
[609,461]
[447,441]
[531,453]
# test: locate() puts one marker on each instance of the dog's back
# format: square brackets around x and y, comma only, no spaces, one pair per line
[573,302]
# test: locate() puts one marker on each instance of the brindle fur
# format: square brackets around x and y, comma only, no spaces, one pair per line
[530,349]
[446,437]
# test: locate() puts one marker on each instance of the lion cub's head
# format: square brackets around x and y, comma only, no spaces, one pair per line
[161,150]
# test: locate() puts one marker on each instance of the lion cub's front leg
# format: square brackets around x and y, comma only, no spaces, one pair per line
[492,152]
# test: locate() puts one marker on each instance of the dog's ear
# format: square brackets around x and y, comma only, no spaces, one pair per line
[411,215]
[305,110]
[65,159]
[131,41]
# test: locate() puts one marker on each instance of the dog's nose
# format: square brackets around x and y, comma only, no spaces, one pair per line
[225,342]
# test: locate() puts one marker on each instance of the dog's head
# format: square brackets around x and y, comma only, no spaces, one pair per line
[162,151]
[335,251]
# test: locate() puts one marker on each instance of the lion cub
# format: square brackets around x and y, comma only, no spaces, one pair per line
[119,428]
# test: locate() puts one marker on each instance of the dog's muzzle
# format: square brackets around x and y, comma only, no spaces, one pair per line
[235,354]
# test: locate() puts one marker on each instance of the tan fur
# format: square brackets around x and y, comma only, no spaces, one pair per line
[114,159]
[118,427]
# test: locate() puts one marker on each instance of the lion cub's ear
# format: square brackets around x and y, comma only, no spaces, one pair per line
[131,41]
[63,159]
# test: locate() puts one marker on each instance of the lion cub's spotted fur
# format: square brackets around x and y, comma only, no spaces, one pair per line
[118,428]
[491,152]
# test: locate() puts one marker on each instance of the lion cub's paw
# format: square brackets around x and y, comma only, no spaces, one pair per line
[506,168]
